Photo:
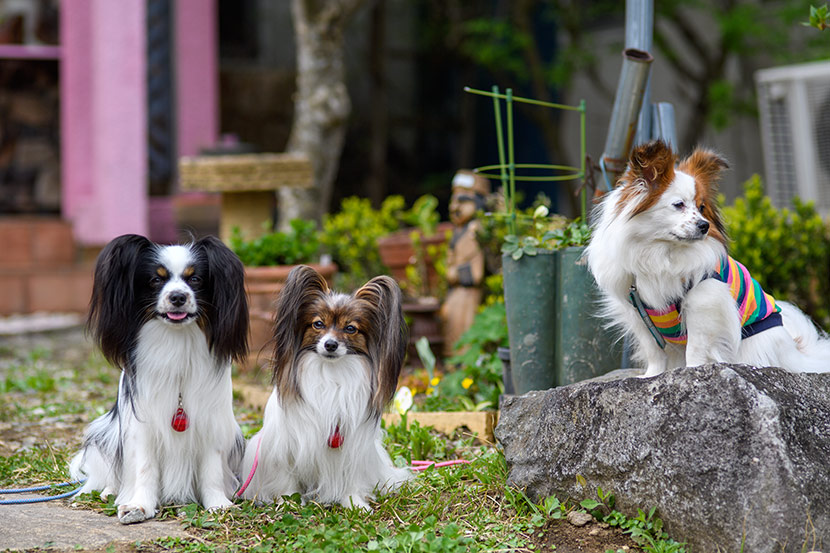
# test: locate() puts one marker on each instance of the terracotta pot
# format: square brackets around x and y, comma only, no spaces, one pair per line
[396,251]
[263,285]
[424,320]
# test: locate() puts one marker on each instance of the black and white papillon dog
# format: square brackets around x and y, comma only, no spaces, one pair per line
[172,318]
[336,364]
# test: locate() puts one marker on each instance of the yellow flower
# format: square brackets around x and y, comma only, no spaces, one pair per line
[466,383]
[435,381]
[403,400]
[430,390]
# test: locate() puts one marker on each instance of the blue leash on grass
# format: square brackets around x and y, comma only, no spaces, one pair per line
[39,489]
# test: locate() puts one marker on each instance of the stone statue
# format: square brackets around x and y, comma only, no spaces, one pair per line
[465,258]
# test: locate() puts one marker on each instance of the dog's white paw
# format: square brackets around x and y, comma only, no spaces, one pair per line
[130,514]
[219,505]
[355,502]
[106,492]
[652,371]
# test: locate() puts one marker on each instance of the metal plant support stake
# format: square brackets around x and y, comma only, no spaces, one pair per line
[553,342]
[507,169]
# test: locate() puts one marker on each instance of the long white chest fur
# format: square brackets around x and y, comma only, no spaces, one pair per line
[137,439]
[295,454]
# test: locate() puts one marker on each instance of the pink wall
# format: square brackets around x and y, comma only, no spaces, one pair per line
[197,75]
[104,118]
[104,109]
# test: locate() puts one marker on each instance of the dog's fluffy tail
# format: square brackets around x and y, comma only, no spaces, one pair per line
[812,352]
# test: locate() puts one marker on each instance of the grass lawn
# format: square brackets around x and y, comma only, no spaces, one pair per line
[53,386]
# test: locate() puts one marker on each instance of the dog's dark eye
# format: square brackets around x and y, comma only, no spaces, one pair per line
[194,280]
[318,325]
[155,281]
[701,207]
[678,205]
[350,329]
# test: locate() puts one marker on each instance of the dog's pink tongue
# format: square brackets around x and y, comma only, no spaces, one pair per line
[176,316]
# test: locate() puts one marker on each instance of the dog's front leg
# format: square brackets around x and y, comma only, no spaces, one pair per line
[212,480]
[143,473]
[712,323]
[656,362]
[648,350]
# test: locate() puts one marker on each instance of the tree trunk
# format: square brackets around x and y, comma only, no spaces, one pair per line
[322,105]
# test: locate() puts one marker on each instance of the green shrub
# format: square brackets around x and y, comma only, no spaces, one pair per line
[351,236]
[300,244]
[476,383]
[787,251]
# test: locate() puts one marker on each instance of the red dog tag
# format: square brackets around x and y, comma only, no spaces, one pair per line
[180,421]
[336,438]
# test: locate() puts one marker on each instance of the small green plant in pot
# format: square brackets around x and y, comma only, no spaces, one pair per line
[300,244]
[268,259]
[542,233]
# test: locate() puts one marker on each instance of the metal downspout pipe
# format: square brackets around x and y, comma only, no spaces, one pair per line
[627,102]
[639,26]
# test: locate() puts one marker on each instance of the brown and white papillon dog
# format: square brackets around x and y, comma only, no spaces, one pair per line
[336,364]
[658,253]
[172,318]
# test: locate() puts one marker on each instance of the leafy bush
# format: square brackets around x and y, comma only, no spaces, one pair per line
[299,245]
[477,382]
[428,257]
[351,236]
[423,214]
[787,251]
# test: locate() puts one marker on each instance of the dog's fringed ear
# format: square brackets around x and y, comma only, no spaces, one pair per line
[388,339]
[227,306]
[114,319]
[651,164]
[302,288]
[705,166]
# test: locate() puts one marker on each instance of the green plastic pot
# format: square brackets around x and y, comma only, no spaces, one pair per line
[555,336]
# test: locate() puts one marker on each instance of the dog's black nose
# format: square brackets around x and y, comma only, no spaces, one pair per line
[178,299]
[330,345]
[703,226]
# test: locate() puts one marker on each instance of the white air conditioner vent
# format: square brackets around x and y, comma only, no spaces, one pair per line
[794,105]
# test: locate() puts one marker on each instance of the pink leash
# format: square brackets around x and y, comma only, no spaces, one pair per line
[423,465]
[253,470]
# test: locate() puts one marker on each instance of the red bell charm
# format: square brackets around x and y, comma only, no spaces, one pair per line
[336,438]
[180,421]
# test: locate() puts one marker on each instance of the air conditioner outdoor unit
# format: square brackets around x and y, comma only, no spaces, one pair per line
[794,105]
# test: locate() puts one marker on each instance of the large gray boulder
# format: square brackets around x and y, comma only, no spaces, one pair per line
[725,452]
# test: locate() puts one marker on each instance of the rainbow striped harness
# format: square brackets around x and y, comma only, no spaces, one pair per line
[757,309]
